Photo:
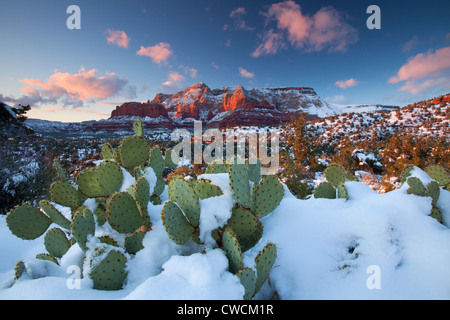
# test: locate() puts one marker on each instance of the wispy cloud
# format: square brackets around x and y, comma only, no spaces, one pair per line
[159,53]
[425,71]
[410,45]
[239,22]
[118,37]
[344,84]
[245,73]
[326,29]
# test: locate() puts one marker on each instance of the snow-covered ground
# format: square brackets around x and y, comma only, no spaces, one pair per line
[373,246]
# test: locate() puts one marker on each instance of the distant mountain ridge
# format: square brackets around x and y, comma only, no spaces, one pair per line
[234,106]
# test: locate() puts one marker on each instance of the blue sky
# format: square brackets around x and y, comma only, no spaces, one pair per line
[166,46]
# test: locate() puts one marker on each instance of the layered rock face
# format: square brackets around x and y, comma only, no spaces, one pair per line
[229,106]
[136,109]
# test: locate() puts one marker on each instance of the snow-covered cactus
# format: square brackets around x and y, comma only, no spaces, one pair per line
[109,273]
[415,186]
[335,175]
[205,189]
[186,198]
[175,223]
[264,263]
[325,190]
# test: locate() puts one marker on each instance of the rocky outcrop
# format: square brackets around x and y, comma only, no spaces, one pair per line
[137,109]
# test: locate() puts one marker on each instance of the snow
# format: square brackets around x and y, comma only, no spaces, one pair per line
[373,246]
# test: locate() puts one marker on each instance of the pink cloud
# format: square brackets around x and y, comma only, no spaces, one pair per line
[245,73]
[237,12]
[118,37]
[159,53]
[272,42]
[239,23]
[424,71]
[344,84]
[326,29]
[173,77]
[82,86]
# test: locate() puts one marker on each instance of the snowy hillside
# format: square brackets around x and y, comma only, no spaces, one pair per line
[372,246]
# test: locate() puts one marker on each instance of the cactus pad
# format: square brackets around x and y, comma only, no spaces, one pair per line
[247,228]
[240,185]
[205,189]
[27,222]
[248,280]
[264,262]
[433,191]
[156,161]
[110,273]
[138,128]
[89,184]
[168,161]
[59,170]
[123,213]
[159,187]
[175,223]
[133,152]
[325,190]
[342,191]
[63,193]
[133,242]
[19,270]
[56,243]
[436,214]
[47,257]
[267,195]
[335,175]
[54,214]
[439,174]
[140,191]
[83,225]
[186,198]
[232,250]
[107,152]
[254,171]
[110,176]
[415,186]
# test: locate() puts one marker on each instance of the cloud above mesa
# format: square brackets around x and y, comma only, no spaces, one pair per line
[324,30]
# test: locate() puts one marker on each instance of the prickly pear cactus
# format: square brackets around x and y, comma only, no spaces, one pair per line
[335,175]
[433,191]
[83,225]
[176,224]
[233,250]
[267,195]
[133,152]
[325,190]
[205,189]
[439,174]
[415,186]
[156,161]
[89,184]
[27,222]
[240,185]
[56,242]
[138,128]
[63,193]
[54,214]
[264,263]
[109,273]
[248,279]
[123,213]
[110,176]
[254,171]
[184,195]
[247,228]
